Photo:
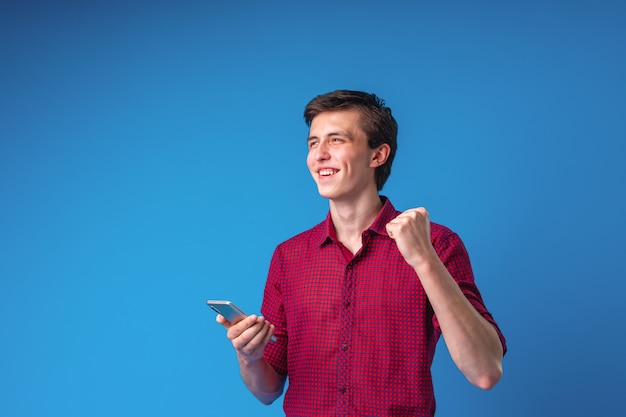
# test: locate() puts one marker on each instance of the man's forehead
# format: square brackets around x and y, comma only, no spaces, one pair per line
[336,121]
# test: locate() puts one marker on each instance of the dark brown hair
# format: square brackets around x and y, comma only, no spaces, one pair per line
[376,121]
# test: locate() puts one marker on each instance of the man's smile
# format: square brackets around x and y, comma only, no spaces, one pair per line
[326,172]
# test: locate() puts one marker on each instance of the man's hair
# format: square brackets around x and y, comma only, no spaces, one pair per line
[376,121]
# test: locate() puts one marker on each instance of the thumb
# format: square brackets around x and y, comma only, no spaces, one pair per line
[222,320]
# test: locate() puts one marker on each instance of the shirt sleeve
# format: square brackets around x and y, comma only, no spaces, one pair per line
[273,309]
[454,256]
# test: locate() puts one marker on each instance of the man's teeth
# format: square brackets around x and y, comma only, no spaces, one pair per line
[326,172]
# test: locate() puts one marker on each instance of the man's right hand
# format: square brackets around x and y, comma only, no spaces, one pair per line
[248,336]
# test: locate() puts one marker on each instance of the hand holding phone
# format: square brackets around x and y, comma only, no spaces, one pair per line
[229,311]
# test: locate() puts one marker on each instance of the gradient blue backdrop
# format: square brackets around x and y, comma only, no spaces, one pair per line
[152,155]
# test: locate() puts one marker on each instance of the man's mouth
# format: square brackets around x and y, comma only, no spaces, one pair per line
[327,172]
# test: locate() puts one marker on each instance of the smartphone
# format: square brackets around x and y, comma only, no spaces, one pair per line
[230,311]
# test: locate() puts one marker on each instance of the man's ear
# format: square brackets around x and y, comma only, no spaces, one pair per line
[380,155]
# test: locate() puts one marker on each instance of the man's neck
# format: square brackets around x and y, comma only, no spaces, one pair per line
[352,218]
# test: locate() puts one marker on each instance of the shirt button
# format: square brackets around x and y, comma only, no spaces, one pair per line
[346,304]
[344,347]
[342,390]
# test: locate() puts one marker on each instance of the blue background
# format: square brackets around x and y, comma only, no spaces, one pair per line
[152,155]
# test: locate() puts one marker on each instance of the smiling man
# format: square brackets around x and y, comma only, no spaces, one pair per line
[358,302]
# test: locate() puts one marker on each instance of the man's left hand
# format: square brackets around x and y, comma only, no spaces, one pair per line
[411,232]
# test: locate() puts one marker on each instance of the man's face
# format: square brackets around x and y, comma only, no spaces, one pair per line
[339,158]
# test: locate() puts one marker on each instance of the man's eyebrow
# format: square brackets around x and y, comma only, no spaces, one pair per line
[334,133]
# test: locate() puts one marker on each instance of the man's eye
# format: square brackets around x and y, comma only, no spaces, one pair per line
[312,143]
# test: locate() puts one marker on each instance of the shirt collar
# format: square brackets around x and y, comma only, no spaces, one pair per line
[386,214]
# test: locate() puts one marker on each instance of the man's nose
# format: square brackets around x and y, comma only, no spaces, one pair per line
[321,153]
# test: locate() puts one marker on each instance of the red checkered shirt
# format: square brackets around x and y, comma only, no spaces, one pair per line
[356,334]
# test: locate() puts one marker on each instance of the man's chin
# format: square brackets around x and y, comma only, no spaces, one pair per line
[325,192]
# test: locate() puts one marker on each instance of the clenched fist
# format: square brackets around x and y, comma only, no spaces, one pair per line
[411,232]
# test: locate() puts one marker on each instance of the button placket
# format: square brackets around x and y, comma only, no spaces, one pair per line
[345,360]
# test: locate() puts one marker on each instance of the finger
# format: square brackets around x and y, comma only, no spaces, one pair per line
[249,327]
[250,338]
[261,336]
[402,219]
[222,320]
[420,210]
[271,333]
[394,227]
[237,329]
[268,333]
[263,326]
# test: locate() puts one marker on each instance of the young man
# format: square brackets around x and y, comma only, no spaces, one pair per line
[358,302]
